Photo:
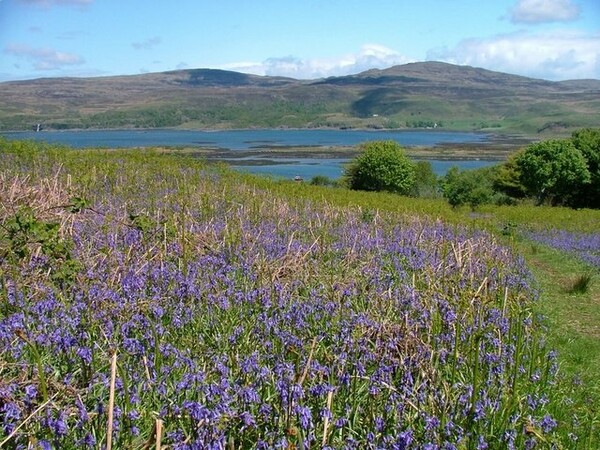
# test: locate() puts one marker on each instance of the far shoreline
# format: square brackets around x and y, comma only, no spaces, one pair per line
[495,147]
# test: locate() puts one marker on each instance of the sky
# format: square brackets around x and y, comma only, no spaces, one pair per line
[304,39]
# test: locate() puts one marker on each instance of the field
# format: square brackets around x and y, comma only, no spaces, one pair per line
[149,300]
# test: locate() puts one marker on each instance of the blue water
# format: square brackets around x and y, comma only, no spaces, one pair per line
[239,140]
[307,168]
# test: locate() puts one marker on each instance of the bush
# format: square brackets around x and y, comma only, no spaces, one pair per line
[507,179]
[469,187]
[383,166]
[321,180]
[426,181]
[553,171]
[587,141]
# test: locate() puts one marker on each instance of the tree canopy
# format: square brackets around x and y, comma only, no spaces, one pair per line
[587,141]
[507,179]
[468,187]
[382,166]
[552,170]
[557,172]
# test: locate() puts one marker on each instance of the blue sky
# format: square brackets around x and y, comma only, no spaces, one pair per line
[551,39]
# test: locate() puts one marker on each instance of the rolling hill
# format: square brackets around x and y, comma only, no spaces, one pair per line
[412,95]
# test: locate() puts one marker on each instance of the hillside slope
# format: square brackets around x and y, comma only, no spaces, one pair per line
[411,95]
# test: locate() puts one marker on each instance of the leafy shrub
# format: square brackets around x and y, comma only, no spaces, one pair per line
[552,171]
[507,179]
[468,187]
[321,180]
[587,141]
[382,166]
[426,181]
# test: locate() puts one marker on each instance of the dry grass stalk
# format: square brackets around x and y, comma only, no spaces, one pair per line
[27,419]
[159,427]
[326,421]
[45,197]
[482,287]
[310,356]
[291,265]
[111,399]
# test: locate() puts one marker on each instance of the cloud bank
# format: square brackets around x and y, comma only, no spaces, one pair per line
[44,58]
[540,11]
[553,56]
[557,55]
[369,56]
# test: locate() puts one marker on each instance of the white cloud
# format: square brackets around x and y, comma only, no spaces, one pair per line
[44,58]
[148,44]
[369,56]
[540,11]
[554,56]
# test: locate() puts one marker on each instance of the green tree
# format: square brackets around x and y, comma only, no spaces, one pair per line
[587,141]
[468,187]
[426,181]
[553,171]
[382,166]
[507,179]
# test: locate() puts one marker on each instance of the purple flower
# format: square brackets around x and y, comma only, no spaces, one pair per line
[31,392]
[405,439]
[304,416]
[197,411]
[248,419]
[11,411]
[585,246]
[431,422]
[340,422]
[58,424]
[379,424]
[548,423]
[481,443]
[44,444]
[85,354]
[87,441]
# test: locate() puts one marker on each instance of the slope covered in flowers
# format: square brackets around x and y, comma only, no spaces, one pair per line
[241,320]
[585,246]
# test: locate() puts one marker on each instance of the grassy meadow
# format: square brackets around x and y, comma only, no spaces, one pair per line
[149,300]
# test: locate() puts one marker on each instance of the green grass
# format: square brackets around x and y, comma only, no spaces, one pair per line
[572,322]
[572,317]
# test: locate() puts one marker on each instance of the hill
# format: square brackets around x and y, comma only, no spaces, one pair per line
[412,95]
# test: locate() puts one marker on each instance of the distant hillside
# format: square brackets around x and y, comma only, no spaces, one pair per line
[428,94]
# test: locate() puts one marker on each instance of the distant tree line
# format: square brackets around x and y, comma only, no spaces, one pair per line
[423,124]
[557,172]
